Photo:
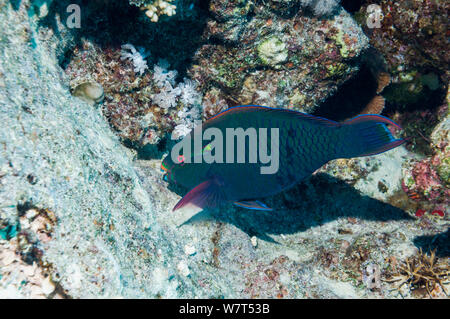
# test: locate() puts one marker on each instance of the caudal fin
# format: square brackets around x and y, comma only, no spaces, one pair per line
[367,135]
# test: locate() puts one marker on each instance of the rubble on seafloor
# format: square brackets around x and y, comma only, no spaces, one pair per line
[81,216]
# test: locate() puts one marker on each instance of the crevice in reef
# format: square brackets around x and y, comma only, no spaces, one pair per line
[418,115]
[352,6]
[351,97]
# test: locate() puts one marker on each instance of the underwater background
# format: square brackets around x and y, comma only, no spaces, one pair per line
[93,94]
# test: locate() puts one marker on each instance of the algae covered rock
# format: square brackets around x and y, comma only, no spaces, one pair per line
[272,51]
[280,53]
[412,38]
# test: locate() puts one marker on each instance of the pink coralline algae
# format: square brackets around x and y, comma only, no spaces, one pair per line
[423,184]
[426,179]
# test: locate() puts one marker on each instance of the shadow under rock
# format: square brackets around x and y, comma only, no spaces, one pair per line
[351,98]
[111,24]
[440,242]
[15,4]
[314,202]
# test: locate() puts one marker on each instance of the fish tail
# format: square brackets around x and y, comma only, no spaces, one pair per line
[367,135]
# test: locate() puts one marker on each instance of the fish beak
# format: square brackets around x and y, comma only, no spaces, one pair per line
[165,178]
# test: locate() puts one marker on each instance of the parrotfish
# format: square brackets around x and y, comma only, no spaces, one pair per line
[299,143]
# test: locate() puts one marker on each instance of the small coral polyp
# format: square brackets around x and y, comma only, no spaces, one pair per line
[138,58]
[157,8]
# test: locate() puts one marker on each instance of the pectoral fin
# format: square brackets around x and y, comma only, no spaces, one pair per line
[255,205]
[207,194]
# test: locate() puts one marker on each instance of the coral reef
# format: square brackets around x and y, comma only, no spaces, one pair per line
[426,180]
[81,217]
[258,57]
[58,157]
[156,8]
[269,67]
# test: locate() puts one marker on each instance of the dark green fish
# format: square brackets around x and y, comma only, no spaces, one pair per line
[304,143]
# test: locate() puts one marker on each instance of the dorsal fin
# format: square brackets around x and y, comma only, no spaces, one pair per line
[372,117]
[283,113]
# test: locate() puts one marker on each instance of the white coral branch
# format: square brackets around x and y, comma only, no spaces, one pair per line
[129,52]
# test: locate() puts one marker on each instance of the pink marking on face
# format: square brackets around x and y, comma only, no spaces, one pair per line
[180,158]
